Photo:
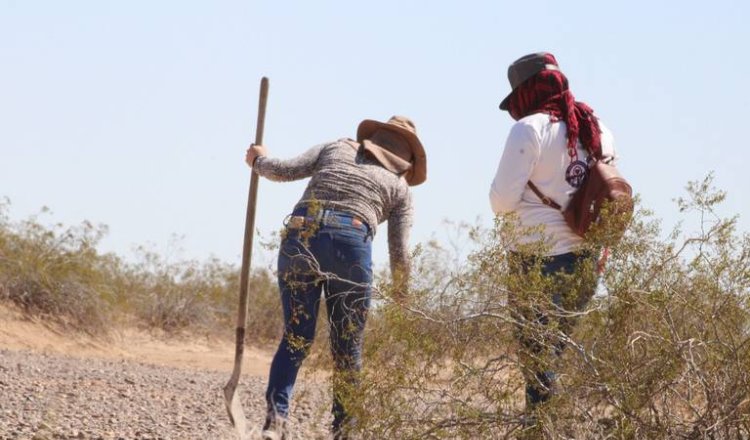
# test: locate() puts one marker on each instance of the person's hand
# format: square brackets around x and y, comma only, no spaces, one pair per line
[399,288]
[254,152]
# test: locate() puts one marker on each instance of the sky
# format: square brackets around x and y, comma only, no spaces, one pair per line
[137,114]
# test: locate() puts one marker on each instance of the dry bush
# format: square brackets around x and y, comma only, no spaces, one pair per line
[189,295]
[663,353]
[174,296]
[57,272]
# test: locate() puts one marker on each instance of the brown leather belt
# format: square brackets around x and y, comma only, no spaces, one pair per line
[300,221]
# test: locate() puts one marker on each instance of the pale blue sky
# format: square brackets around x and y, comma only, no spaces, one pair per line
[137,114]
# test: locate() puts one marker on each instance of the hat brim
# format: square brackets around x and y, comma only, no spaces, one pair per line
[505,103]
[418,172]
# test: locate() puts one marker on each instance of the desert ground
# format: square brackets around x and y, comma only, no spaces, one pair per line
[57,384]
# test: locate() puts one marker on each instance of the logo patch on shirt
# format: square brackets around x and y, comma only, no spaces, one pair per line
[576,173]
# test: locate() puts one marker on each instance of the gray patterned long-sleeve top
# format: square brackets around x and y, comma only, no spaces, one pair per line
[346,180]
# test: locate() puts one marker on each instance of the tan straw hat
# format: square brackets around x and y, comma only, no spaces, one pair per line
[404,127]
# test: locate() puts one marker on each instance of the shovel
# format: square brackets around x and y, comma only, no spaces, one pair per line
[234,406]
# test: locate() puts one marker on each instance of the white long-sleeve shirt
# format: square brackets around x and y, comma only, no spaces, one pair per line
[536,150]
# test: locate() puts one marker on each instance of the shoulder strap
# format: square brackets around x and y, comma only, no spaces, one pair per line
[546,200]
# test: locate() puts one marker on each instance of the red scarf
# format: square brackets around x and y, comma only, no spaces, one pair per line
[547,92]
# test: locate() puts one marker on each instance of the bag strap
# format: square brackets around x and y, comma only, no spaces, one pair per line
[546,200]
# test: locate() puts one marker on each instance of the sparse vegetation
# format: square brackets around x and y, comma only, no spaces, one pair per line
[664,353]
[661,352]
[56,272]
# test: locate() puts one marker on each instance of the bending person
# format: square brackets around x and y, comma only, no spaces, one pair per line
[327,246]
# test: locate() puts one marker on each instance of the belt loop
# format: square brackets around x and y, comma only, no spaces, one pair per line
[320,216]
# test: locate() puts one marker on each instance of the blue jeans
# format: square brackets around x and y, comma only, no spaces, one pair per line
[569,294]
[331,253]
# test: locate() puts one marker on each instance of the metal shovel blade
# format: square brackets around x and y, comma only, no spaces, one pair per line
[234,409]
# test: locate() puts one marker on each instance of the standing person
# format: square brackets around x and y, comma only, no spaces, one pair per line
[327,246]
[546,155]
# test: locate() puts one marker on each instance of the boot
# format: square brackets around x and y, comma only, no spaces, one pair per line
[274,428]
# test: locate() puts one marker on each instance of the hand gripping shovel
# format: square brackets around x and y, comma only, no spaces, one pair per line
[234,407]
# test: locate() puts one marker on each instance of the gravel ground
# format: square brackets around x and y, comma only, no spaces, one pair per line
[54,397]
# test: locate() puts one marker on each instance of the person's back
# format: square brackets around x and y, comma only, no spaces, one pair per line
[537,151]
[346,178]
[343,177]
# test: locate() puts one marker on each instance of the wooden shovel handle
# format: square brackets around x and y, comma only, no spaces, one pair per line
[234,407]
[247,247]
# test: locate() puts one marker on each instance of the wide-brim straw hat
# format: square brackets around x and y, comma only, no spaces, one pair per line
[405,127]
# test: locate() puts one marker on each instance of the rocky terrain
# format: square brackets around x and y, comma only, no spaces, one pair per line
[49,396]
[134,384]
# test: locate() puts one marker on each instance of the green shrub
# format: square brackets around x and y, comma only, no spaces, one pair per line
[663,353]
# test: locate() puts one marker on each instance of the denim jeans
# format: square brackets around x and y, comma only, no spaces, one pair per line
[330,254]
[569,294]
